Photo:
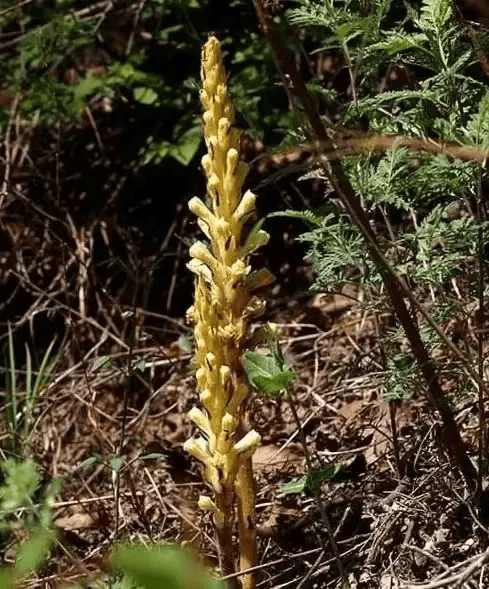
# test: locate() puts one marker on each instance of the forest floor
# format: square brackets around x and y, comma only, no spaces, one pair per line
[400,512]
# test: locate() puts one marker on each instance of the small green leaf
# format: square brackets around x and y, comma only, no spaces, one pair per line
[182,148]
[316,477]
[152,456]
[93,460]
[139,366]
[103,361]
[187,145]
[85,88]
[145,95]
[163,568]
[33,552]
[267,373]
[312,481]
[296,486]
[115,463]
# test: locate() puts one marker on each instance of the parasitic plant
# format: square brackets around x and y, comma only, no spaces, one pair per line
[221,314]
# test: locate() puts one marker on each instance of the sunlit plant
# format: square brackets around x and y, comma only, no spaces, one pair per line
[221,313]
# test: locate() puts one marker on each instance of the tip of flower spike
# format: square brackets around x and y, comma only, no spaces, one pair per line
[211,55]
[212,46]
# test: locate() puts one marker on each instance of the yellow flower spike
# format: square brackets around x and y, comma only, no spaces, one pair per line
[200,209]
[250,441]
[199,449]
[245,207]
[201,269]
[221,313]
[200,420]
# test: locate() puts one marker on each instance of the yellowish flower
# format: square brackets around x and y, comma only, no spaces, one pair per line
[221,312]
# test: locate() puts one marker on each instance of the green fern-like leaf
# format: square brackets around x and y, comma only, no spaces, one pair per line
[436,15]
[479,124]
[396,42]
[385,181]
[368,106]
[311,14]
[308,216]
[336,251]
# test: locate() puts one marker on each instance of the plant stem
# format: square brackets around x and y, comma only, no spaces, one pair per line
[317,497]
[224,532]
[245,498]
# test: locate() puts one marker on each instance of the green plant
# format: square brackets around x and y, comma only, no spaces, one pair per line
[20,411]
[398,226]
[271,376]
[26,528]
[443,240]
[161,567]
[27,535]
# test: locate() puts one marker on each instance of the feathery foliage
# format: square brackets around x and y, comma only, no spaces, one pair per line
[417,203]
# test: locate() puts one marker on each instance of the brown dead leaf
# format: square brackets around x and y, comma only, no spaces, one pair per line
[366,418]
[77,521]
[270,456]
